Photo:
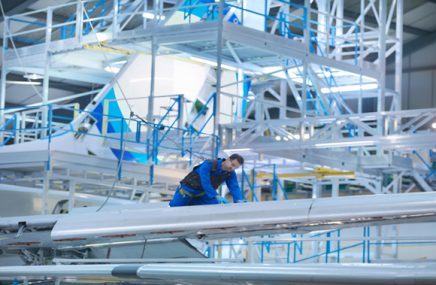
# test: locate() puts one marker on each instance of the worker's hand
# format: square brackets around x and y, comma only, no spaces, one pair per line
[222,200]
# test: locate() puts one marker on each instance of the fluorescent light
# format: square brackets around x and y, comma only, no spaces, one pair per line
[150,16]
[346,88]
[433,125]
[23,82]
[278,138]
[112,69]
[33,76]
[345,144]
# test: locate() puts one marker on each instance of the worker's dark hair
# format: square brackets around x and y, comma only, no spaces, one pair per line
[236,156]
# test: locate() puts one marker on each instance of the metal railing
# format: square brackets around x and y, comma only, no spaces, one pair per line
[119,135]
[113,17]
[331,246]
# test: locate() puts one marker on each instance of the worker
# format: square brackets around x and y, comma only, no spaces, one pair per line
[199,186]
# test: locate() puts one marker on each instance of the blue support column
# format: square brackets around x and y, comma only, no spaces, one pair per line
[119,166]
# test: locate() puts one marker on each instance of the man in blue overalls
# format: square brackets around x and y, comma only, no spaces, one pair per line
[199,186]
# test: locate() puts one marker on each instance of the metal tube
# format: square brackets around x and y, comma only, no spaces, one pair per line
[45,83]
[217,101]
[382,58]
[399,54]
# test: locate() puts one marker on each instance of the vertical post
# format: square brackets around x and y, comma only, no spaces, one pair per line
[45,189]
[335,187]
[382,57]
[399,53]
[378,247]
[339,30]
[23,126]
[3,96]
[398,61]
[105,120]
[115,25]
[274,185]
[305,65]
[316,189]
[217,102]
[362,49]
[150,110]
[122,146]
[322,30]
[180,114]
[79,21]
[327,247]
[3,76]
[153,68]
[71,196]
[45,83]
[17,125]
[283,98]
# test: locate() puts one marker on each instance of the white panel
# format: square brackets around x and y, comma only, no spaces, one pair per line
[252,20]
[172,77]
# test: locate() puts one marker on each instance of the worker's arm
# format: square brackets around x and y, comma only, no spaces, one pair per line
[204,173]
[232,184]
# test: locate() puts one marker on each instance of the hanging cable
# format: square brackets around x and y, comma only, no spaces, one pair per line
[123,148]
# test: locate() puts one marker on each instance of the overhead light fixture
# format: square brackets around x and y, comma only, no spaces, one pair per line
[347,88]
[33,76]
[23,82]
[345,144]
[433,125]
[151,16]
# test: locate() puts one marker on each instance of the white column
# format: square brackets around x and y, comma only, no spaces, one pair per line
[339,26]
[382,56]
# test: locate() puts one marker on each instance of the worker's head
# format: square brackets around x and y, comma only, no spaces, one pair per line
[233,162]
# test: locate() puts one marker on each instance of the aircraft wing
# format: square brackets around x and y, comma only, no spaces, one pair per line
[179,273]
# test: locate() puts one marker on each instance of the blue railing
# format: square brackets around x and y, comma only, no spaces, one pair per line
[10,126]
[428,165]
[252,185]
[294,251]
[68,31]
[60,124]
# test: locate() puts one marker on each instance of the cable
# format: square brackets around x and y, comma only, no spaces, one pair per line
[114,77]
[143,248]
